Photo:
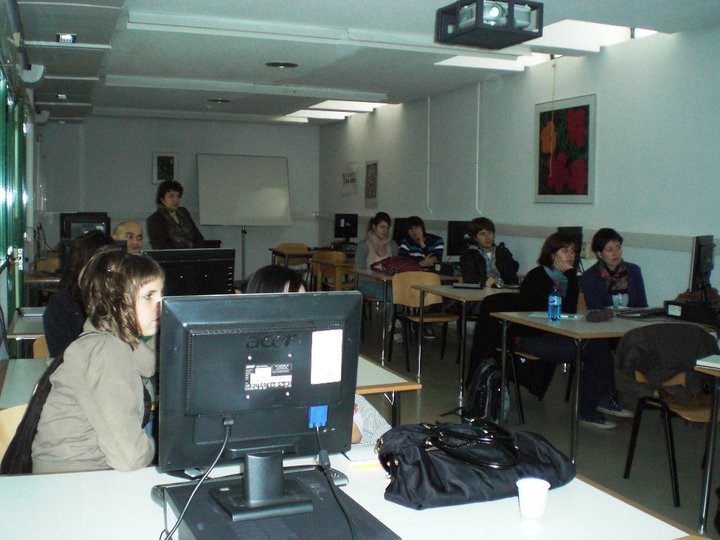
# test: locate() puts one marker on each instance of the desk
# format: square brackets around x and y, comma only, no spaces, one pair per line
[306,254]
[337,271]
[709,447]
[114,505]
[18,378]
[39,280]
[25,328]
[463,296]
[386,280]
[373,378]
[578,329]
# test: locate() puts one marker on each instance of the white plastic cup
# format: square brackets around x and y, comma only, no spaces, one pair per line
[532,494]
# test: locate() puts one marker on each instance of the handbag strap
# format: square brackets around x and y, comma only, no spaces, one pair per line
[462,444]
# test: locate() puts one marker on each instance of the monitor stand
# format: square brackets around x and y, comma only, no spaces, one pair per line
[264,492]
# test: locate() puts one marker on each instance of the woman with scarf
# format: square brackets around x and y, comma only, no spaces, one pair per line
[377,245]
[612,282]
[557,268]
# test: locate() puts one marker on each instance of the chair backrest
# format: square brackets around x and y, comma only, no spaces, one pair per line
[9,421]
[661,351]
[40,348]
[328,256]
[290,247]
[405,295]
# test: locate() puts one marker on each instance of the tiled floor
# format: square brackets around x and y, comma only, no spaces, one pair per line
[601,453]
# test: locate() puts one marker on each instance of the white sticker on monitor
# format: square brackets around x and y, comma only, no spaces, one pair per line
[326,363]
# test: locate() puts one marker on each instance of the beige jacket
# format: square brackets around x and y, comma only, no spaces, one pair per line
[92,417]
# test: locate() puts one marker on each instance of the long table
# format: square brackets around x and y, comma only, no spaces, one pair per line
[577,328]
[463,296]
[117,505]
[709,447]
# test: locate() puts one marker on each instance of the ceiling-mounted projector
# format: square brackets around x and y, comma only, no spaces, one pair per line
[488,24]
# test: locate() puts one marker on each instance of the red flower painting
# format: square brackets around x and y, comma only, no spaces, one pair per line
[564,150]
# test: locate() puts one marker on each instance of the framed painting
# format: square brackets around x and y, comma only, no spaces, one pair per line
[565,157]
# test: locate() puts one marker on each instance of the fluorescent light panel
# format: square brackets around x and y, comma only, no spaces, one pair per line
[354,106]
[327,115]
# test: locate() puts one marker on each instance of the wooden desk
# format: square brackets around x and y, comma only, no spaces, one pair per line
[709,447]
[373,378]
[576,328]
[117,505]
[463,296]
[337,271]
[285,255]
[36,281]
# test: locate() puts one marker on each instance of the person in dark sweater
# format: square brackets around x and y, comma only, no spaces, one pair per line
[172,226]
[556,268]
[65,315]
[612,281]
[483,261]
[424,248]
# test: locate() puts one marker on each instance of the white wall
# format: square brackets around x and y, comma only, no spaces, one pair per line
[105,164]
[657,153]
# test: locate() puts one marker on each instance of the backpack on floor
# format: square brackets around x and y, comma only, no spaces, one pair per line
[483,393]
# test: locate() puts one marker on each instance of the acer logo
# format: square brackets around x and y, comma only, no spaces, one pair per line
[272,341]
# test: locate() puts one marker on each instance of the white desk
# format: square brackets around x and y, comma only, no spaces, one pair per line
[373,378]
[20,377]
[114,505]
[25,327]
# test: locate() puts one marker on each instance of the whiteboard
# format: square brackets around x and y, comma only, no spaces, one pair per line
[243,190]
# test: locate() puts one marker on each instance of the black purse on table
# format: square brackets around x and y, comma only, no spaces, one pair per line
[447,464]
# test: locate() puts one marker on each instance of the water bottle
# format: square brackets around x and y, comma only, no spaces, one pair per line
[554,304]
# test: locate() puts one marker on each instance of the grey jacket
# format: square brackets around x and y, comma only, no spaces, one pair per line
[92,418]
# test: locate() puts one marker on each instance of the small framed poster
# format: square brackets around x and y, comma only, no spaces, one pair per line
[164,164]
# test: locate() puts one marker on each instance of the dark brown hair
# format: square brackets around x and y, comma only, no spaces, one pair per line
[164,187]
[602,237]
[272,278]
[480,224]
[110,283]
[380,216]
[77,256]
[552,244]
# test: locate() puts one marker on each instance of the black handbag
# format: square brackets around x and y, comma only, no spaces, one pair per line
[446,464]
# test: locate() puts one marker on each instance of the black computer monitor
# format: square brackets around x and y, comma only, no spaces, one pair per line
[702,262]
[266,366]
[196,271]
[400,229]
[77,223]
[458,238]
[346,226]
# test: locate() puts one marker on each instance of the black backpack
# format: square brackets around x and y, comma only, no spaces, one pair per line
[483,393]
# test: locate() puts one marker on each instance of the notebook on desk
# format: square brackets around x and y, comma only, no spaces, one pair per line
[633,313]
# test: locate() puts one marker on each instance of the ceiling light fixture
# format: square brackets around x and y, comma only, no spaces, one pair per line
[344,105]
[218,100]
[62,97]
[281,65]
[326,115]
[65,37]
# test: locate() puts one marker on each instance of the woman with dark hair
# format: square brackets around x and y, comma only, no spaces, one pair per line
[611,281]
[376,246]
[172,226]
[65,315]
[94,415]
[483,261]
[368,423]
[557,269]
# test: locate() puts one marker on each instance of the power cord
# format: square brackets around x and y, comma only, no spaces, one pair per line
[324,463]
[164,534]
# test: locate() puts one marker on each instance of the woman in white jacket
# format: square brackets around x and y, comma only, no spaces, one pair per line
[95,413]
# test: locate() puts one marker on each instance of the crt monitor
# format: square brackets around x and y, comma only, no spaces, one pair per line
[266,368]
[74,224]
[702,262]
[400,229]
[196,271]
[346,226]
[458,238]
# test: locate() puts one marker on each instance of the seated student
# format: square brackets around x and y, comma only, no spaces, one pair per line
[172,226]
[377,245]
[368,423]
[65,315]
[132,233]
[557,268]
[611,281]
[94,414]
[424,248]
[483,261]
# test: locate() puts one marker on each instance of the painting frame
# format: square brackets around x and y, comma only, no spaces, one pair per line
[164,166]
[565,150]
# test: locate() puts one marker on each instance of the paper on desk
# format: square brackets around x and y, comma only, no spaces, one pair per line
[362,455]
[543,315]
